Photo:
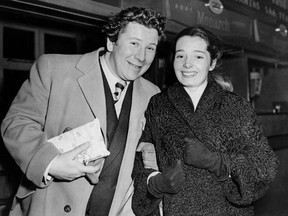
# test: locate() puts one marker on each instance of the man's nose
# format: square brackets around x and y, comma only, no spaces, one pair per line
[140,55]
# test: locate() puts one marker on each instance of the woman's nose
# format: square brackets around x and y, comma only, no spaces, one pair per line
[188,63]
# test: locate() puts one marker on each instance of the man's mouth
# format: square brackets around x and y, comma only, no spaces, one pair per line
[135,66]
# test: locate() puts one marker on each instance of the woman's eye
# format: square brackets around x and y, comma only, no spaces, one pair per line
[134,43]
[179,56]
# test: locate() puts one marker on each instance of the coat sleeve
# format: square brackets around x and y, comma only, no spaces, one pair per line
[22,128]
[253,164]
[143,203]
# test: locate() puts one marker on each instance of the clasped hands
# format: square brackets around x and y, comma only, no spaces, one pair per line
[195,154]
[169,181]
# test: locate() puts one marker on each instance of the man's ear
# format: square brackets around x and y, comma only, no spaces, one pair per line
[109,45]
[213,64]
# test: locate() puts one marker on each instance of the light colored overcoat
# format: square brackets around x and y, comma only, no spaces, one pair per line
[65,91]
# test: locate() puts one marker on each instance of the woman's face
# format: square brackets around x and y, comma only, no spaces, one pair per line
[192,61]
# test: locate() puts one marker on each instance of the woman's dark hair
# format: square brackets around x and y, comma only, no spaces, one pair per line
[214,47]
[147,17]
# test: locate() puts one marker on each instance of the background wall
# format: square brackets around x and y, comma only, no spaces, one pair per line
[274,90]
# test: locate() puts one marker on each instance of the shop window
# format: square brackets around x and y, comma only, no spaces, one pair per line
[18,44]
[13,80]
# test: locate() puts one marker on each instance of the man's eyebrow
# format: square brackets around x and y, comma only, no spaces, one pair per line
[138,39]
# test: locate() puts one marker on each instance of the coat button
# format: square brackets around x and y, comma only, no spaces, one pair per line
[67,208]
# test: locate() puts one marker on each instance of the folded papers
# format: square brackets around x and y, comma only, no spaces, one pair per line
[89,132]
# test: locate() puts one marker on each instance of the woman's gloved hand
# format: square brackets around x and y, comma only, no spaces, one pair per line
[198,155]
[169,181]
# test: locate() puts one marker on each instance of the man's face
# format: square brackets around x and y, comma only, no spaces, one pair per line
[132,54]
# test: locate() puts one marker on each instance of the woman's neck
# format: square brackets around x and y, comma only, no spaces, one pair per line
[195,93]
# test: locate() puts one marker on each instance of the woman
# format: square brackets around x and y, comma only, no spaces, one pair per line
[213,156]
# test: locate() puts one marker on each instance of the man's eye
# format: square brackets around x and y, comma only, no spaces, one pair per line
[200,57]
[134,43]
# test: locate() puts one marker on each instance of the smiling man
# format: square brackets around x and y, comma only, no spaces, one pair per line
[65,92]
[132,54]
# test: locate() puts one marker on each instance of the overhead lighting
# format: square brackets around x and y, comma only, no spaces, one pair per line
[215,6]
[282,30]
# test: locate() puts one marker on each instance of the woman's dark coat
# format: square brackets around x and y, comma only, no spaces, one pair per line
[224,122]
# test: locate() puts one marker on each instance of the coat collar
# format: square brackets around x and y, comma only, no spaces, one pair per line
[91,84]
[182,102]
[124,190]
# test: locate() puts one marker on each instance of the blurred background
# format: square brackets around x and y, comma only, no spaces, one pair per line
[255,60]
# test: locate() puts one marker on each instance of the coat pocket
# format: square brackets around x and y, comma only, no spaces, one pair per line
[21,201]
[25,189]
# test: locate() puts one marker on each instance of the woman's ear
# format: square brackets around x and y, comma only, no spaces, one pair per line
[109,45]
[213,65]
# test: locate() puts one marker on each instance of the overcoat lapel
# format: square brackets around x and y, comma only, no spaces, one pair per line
[139,103]
[140,99]
[182,103]
[138,106]
[119,137]
[91,84]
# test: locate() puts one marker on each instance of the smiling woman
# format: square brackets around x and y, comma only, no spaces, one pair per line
[212,154]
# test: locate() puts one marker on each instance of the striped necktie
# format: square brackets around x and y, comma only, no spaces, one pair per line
[118,90]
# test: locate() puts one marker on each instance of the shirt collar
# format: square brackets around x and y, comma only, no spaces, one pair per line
[195,96]
[111,78]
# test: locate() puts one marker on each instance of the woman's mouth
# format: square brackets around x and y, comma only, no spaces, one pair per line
[189,73]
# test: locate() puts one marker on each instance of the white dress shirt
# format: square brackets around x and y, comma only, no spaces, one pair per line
[112,80]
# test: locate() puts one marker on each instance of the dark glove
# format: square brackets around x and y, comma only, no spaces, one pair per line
[198,155]
[169,181]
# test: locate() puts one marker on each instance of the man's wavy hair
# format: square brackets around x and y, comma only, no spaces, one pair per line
[147,17]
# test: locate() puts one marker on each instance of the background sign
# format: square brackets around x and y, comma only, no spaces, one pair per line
[228,23]
[270,11]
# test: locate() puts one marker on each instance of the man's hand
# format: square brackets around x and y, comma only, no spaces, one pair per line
[66,166]
[148,155]
[198,155]
[169,181]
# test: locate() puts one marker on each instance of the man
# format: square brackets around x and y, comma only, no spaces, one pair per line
[67,91]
